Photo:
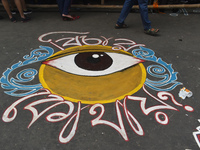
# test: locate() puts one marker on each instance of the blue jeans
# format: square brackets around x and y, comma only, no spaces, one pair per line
[64,6]
[143,5]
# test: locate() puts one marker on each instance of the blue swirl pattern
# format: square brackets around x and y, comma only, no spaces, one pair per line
[15,85]
[167,77]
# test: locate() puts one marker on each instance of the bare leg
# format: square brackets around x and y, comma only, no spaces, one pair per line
[23,5]
[19,7]
[7,8]
[12,4]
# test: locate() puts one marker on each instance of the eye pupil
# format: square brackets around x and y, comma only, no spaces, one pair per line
[95,58]
[94,61]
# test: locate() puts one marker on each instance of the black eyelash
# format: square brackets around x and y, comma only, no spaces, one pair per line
[82,51]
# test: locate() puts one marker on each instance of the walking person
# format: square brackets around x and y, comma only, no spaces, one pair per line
[64,8]
[143,6]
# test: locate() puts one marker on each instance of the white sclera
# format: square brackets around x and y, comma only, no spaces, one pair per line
[120,62]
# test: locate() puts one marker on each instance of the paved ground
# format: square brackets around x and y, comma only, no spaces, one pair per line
[168,125]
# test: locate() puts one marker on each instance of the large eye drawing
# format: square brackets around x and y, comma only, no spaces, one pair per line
[92,74]
[93,63]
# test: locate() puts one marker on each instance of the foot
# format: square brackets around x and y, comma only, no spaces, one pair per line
[12,19]
[151,31]
[69,17]
[117,26]
[25,19]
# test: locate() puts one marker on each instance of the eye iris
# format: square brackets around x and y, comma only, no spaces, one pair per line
[95,61]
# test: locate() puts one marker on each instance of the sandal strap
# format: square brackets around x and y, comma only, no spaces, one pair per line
[151,31]
[65,18]
[117,26]
[76,17]
[154,30]
[13,19]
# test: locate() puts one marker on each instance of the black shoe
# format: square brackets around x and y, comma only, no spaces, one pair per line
[117,26]
[13,19]
[151,31]
[26,19]
[27,12]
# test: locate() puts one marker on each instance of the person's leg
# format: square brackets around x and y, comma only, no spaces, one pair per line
[128,4]
[60,5]
[19,7]
[143,5]
[23,5]
[7,8]
[25,10]
[66,7]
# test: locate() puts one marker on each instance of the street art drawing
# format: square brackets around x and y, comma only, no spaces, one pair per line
[196,135]
[90,73]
